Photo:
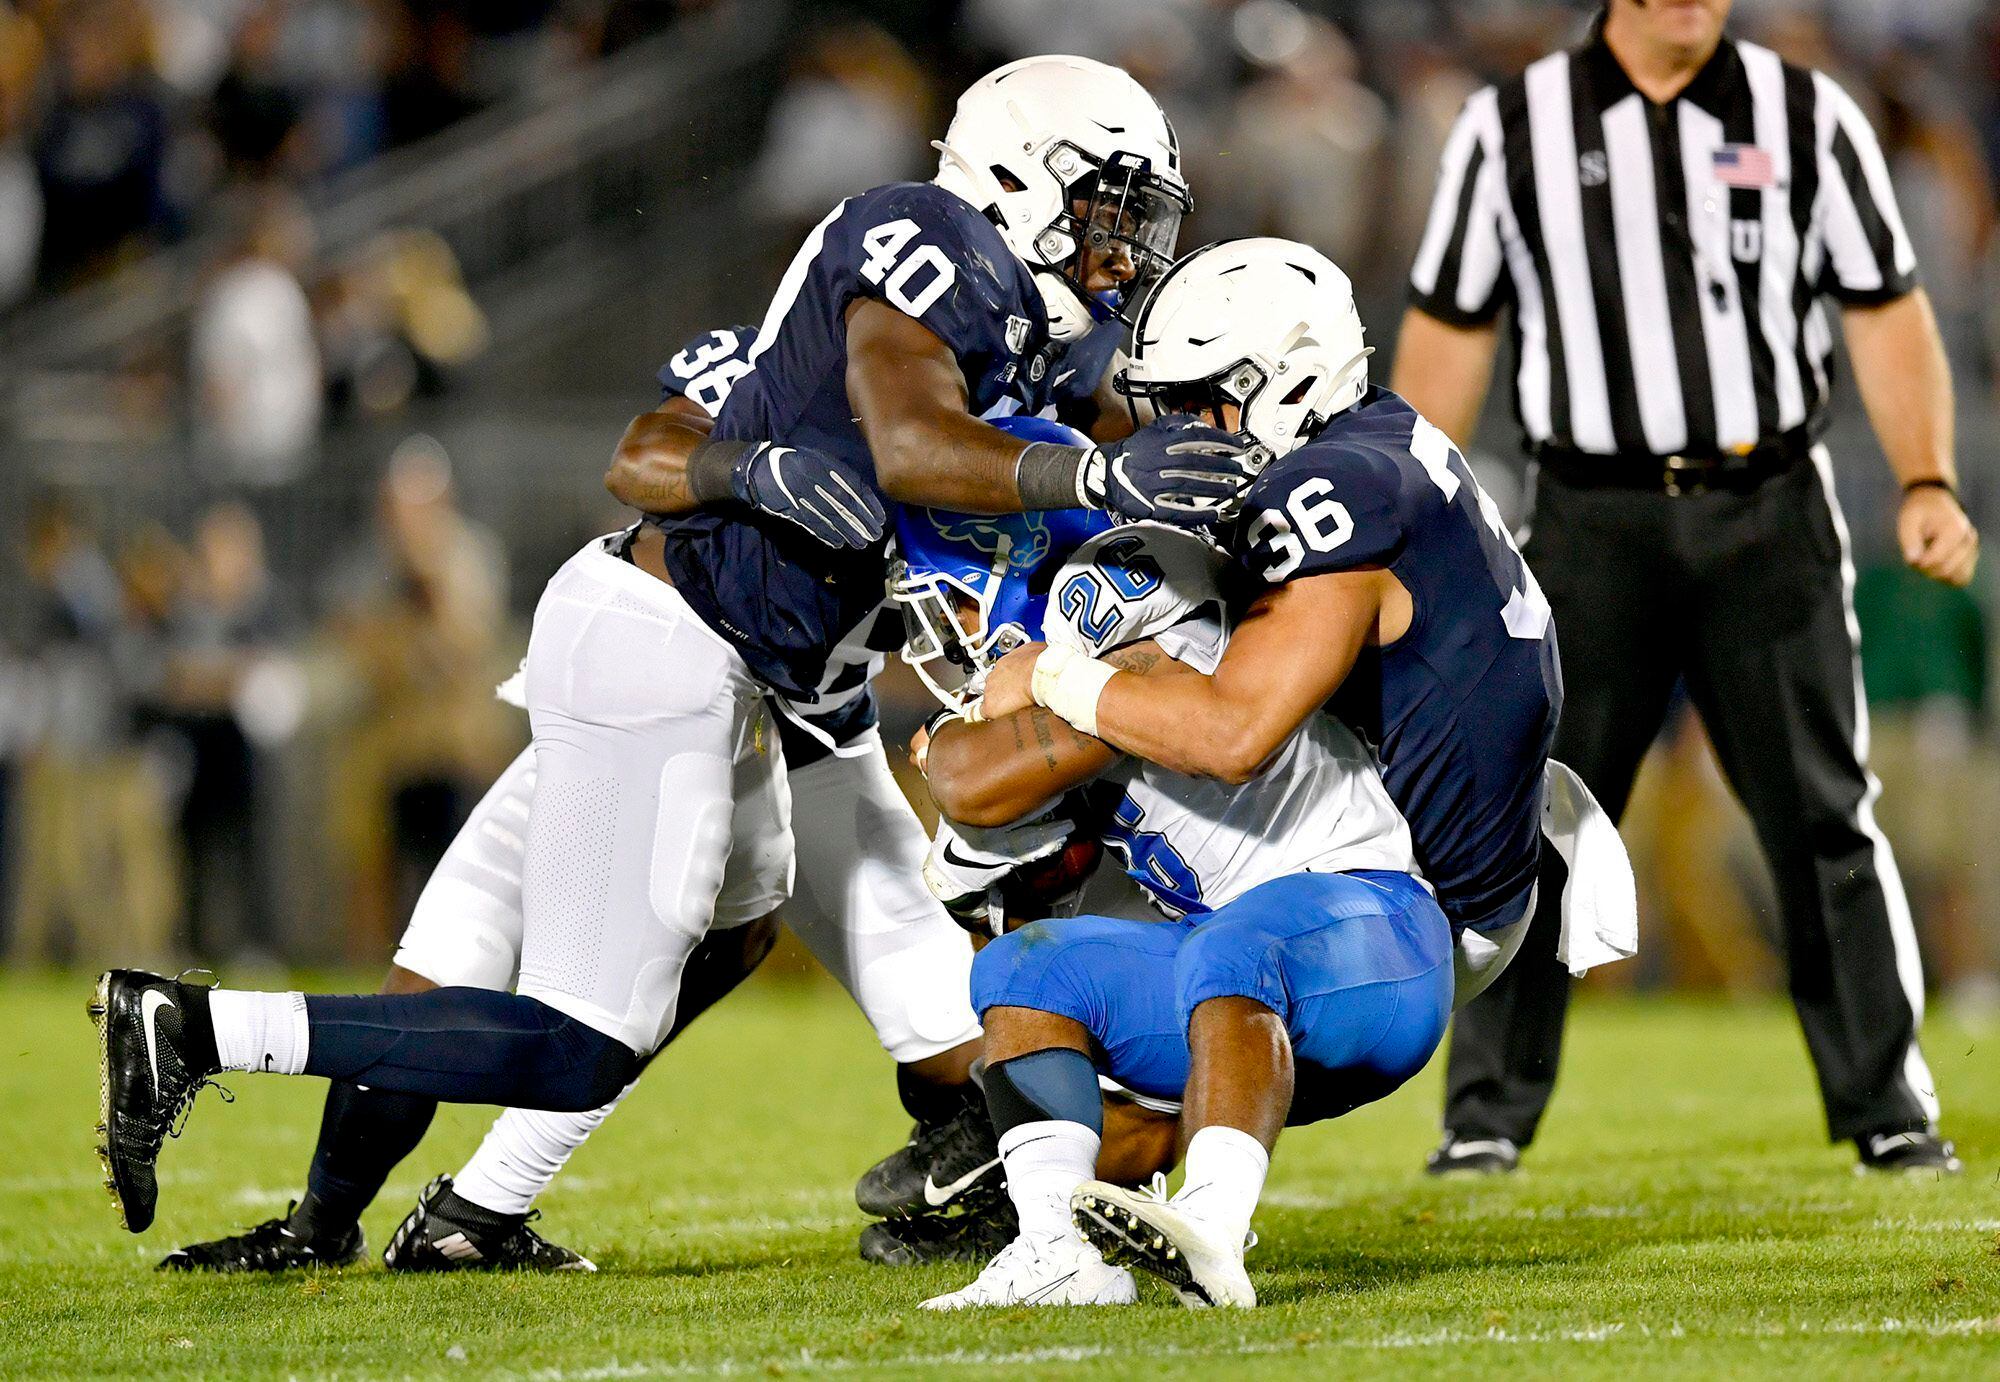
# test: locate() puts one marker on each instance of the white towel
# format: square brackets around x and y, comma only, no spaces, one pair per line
[1600,904]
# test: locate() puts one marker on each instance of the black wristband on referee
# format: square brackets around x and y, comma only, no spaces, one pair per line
[1046,473]
[1931,482]
[711,469]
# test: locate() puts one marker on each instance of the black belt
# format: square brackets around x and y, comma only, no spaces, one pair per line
[1689,473]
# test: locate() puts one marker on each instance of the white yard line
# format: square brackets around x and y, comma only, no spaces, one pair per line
[1086,1353]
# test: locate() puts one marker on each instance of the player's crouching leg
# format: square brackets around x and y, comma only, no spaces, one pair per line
[1049,994]
[1355,971]
[860,905]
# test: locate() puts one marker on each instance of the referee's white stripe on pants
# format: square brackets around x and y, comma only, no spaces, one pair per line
[1902,930]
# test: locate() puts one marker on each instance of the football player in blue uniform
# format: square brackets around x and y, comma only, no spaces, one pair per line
[660,811]
[1392,594]
[1292,891]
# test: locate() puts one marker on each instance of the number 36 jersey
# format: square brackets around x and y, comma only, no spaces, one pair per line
[783,600]
[1196,844]
[1462,708]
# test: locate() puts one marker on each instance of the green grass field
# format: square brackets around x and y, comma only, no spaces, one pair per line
[1681,1216]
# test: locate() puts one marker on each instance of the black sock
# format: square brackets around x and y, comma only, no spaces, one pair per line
[198,1029]
[363,1134]
[933,1104]
[460,1210]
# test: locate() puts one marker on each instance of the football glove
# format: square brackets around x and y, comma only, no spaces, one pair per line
[966,866]
[1176,469]
[822,494]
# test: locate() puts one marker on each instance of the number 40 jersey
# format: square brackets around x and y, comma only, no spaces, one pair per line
[1196,844]
[780,598]
[1462,708]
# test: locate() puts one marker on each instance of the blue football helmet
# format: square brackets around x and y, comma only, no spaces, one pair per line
[974,587]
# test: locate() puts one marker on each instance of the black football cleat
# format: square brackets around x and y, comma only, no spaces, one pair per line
[155,1055]
[1473,1156]
[447,1234]
[1919,1153]
[940,1165]
[271,1246]
[923,1239]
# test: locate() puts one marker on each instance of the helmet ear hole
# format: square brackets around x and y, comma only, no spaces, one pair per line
[1008,182]
[1300,391]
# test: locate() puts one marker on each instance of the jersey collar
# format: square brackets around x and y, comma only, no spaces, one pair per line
[1708,90]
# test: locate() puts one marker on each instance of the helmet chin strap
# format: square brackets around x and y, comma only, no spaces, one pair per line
[1070,317]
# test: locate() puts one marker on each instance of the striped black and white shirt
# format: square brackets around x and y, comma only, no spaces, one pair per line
[1665,263]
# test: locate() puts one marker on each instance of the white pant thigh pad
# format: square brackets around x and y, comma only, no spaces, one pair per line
[639,715]
[860,905]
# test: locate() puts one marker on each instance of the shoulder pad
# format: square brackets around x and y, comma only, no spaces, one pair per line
[1136,581]
[1328,506]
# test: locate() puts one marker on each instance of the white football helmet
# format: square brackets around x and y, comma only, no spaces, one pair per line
[1269,325]
[1067,156]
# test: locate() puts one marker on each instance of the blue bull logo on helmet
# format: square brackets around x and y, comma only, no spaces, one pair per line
[1026,535]
[967,582]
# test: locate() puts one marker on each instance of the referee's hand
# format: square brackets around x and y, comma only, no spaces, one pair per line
[1936,536]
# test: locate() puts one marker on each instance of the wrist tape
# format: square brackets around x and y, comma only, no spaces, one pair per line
[1070,683]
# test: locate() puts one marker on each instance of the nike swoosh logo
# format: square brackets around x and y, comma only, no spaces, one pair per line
[952,856]
[1048,1289]
[150,1003]
[937,1196]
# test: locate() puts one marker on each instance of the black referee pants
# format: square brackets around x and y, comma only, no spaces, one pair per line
[1745,596]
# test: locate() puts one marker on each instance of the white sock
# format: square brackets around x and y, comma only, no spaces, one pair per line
[260,1031]
[522,1153]
[1044,1163]
[1225,1176]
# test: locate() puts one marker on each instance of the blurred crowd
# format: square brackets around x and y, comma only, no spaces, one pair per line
[179,721]
[122,121]
[180,715]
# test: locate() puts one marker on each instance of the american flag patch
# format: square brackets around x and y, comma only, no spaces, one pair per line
[1745,165]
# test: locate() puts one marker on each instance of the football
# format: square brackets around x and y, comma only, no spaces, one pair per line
[1040,889]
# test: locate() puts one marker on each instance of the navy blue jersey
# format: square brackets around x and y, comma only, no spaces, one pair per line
[1462,708]
[782,599]
[704,371]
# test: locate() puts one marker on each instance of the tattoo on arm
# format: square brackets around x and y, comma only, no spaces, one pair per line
[1045,736]
[1138,658]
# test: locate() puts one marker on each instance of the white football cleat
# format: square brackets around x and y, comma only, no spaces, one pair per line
[1146,1229]
[1044,1270]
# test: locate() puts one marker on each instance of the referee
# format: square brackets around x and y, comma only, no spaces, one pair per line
[1661,213]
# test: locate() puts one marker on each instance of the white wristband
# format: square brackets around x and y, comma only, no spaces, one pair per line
[1069,683]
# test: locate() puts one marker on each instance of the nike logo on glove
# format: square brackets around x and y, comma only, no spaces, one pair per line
[937,1196]
[952,856]
[150,1003]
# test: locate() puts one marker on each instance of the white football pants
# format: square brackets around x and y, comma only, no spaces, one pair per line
[859,905]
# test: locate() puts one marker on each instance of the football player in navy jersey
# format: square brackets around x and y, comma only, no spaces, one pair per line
[1393,595]
[660,810]
[859,905]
